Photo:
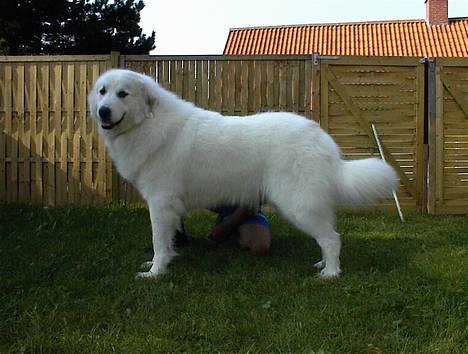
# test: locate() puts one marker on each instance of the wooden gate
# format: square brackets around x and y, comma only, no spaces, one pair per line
[448,133]
[356,92]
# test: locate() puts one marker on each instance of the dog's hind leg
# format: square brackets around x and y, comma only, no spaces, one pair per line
[165,218]
[320,224]
[330,245]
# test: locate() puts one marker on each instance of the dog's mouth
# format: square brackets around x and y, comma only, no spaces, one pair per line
[112,125]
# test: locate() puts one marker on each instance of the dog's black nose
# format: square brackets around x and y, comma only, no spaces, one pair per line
[105,114]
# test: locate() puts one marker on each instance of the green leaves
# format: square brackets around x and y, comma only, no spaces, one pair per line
[72,27]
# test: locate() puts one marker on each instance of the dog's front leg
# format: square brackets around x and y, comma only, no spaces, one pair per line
[164,221]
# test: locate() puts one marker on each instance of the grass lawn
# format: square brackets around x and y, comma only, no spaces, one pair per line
[67,284]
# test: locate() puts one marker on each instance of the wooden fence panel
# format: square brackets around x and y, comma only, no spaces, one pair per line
[235,86]
[49,150]
[388,92]
[448,131]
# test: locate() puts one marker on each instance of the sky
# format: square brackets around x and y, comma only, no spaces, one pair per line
[201,26]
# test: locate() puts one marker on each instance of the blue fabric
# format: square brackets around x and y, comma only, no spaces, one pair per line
[257,219]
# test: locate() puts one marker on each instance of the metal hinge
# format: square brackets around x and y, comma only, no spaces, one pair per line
[316,57]
[426,60]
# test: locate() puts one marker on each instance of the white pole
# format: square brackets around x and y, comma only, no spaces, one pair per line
[395,197]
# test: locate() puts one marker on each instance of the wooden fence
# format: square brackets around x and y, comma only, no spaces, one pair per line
[50,152]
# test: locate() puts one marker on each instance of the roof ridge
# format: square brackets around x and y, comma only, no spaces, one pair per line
[341,23]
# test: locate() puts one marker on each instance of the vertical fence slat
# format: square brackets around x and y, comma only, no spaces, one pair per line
[308,88]
[74,140]
[439,137]
[36,136]
[295,89]
[92,143]
[189,81]
[25,139]
[324,98]
[15,132]
[419,160]
[269,83]
[215,86]
[53,125]
[67,133]
[316,92]
[87,182]
[244,88]
[283,86]
[431,113]
[23,143]
[48,148]
[10,188]
[201,95]
[257,74]
[59,133]
[5,138]
[263,86]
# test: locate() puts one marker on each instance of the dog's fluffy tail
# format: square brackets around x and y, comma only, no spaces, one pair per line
[365,181]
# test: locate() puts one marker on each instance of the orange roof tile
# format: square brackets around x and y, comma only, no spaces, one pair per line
[387,38]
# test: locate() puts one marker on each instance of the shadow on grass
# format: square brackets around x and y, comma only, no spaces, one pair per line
[366,248]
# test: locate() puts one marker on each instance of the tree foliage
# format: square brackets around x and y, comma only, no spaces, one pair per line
[73,27]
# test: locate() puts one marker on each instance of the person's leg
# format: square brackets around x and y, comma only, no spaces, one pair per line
[228,222]
[255,237]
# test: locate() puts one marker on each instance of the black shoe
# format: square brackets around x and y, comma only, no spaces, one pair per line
[180,238]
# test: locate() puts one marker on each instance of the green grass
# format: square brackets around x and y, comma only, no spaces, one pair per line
[67,284]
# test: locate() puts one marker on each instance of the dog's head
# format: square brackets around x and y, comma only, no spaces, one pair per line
[122,99]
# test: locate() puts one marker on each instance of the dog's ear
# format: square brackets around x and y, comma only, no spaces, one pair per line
[151,94]
[151,99]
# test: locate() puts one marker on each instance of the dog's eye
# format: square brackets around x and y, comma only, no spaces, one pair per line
[102,91]
[122,94]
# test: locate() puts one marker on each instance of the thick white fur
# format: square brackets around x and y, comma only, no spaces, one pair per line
[181,157]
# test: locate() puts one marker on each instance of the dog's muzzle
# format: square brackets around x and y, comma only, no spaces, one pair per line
[104,113]
[108,126]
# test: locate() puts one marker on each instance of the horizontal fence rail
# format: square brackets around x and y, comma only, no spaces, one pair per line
[51,154]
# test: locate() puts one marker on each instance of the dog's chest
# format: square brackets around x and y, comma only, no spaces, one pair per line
[127,160]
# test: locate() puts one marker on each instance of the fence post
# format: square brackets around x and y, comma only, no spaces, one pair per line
[431,137]
[115,59]
[316,87]
[115,64]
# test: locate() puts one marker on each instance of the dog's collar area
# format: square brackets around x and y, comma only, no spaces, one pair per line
[113,125]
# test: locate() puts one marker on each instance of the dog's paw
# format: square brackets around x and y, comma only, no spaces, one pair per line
[320,265]
[153,272]
[146,265]
[329,274]
[147,275]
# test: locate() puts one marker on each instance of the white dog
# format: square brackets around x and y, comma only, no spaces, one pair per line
[181,158]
